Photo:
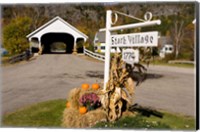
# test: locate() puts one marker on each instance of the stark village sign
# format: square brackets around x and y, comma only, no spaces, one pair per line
[144,39]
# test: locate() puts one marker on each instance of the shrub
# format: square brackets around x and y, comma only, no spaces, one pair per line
[90,47]
[169,57]
[14,35]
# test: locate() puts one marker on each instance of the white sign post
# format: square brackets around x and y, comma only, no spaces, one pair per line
[107,50]
[130,56]
[132,40]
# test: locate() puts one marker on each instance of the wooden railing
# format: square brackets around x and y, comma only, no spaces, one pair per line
[94,55]
[23,56]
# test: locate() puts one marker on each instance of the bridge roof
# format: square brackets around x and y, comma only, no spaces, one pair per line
[57,25]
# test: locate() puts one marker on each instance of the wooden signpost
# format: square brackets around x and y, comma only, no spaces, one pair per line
[145,39]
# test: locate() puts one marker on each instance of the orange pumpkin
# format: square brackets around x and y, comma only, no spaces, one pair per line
[68,104]
[82,110]
[85,86]
[95,86]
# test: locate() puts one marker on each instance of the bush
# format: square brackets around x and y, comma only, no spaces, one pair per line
[14,35]
[90,47]
[186,56]
[169,57]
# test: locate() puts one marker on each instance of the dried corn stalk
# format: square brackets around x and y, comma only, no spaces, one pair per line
[119,89]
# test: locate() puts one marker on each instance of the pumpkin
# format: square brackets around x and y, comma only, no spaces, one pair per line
[95,86]
[85,86]
[68,104]
[82,110]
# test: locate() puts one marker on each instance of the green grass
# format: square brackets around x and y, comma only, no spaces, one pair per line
[45,114]
[49,114]
[175,121]
[136,122]
[168,122]
[175,65]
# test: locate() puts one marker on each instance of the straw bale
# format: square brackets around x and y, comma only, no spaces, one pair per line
[73,119]
[70,116]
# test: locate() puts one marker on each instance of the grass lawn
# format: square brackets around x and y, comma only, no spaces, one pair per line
[175,121]
[184,65]
[168,122]
[45,114]
[49,114]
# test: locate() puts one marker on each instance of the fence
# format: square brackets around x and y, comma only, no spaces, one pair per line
[94,55]
[23,56]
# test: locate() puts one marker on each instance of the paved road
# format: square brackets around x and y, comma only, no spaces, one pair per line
[52,76]
[169,88]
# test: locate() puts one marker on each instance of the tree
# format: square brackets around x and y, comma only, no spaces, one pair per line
[14,35]
[177,34]
[179,23]
[188,46]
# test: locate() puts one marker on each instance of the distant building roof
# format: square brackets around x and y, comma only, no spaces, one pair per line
[101,36]
[164,40]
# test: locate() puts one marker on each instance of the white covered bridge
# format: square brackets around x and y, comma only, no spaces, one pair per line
[56,31]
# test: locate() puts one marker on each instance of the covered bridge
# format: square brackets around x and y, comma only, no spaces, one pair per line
[56,32]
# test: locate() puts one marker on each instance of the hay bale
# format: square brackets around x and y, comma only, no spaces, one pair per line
[128,113]
[73,119]
[93,117]
[74,97]
[89,91]
[70,116]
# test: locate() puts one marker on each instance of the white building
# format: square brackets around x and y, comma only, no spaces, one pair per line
[99,43]
[165,46]
[56,30]
[166,49]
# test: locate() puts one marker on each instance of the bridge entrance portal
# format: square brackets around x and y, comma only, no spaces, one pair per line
[57,43]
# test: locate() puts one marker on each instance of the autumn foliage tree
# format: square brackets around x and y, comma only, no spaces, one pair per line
[14,35]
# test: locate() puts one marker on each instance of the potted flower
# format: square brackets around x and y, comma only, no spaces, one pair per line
[90,100]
